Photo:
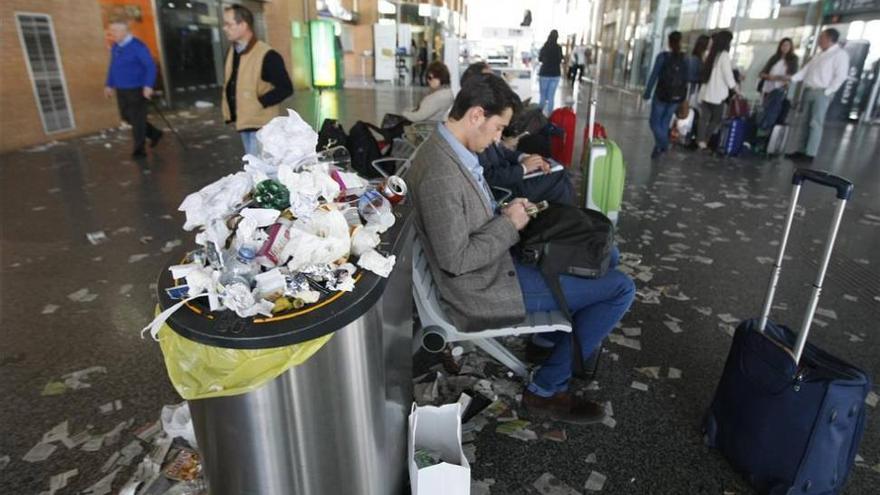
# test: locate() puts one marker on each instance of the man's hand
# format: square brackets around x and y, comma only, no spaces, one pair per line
[534,163]
[516,213]
[108,92]
[148,92]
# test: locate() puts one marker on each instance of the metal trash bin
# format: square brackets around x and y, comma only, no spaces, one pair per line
[336,424]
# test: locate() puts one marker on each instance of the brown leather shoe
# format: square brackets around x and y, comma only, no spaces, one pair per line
[564,407]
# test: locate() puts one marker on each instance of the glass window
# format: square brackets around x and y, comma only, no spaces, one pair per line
[44,64]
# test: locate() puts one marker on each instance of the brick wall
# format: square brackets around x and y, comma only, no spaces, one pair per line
[79,37]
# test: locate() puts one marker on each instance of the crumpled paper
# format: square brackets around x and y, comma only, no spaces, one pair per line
[319,240]
[217,200]
[307,188]
[365,239]
[259,169]
[239,298]
[376,263]
[252,219]
[343,278]
[270,283]
[286,140]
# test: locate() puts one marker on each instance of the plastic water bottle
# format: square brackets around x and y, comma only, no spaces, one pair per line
[240,268]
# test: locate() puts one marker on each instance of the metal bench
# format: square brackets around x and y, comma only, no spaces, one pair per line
[436,328]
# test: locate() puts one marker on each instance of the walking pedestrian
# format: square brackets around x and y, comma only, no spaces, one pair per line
[670,74]
[550,72]
[822,77]
[131,75]
[717,82]
[256,80]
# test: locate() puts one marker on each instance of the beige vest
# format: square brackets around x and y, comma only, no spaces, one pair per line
[249,112]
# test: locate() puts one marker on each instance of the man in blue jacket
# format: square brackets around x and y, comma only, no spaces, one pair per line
[132,74]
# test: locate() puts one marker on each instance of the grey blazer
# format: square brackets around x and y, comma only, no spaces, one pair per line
[466,244]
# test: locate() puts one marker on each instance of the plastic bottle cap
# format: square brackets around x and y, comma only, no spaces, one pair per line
[247,253]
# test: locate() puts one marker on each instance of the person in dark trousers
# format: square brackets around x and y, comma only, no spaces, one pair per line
[774,84]
[256,80]
[132,74]
[550,72]
[670,75]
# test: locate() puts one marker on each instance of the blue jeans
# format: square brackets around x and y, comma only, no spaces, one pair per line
[596,305]
[772,108]
[661,116]
[548,92]
[249,140]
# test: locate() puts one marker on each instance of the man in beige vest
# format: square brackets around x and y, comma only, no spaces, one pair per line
[256,80]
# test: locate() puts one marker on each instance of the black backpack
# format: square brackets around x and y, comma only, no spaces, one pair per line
[364,148]
[331,134]
[568,240]
[672,86]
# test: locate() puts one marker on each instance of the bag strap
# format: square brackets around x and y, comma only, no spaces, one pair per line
[577,357]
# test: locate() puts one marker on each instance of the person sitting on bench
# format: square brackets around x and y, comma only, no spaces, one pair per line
[466,238]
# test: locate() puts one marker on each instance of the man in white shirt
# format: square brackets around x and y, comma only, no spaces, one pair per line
[822,77]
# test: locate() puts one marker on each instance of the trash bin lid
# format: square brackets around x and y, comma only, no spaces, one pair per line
[225,329]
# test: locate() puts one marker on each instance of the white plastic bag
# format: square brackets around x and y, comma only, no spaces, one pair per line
[438,429]
[177,422]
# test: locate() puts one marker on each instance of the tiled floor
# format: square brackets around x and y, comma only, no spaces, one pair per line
[53,197]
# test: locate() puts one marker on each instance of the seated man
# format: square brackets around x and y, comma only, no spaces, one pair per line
[467,239]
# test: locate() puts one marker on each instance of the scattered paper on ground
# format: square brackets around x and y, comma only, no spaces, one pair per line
[548,484]
[595,482]
[639,386]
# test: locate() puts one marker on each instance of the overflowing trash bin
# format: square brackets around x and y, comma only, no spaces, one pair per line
[288,328]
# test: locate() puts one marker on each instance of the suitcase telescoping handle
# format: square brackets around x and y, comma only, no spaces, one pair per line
[844,193]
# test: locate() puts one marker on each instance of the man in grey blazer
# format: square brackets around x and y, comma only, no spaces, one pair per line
[467,238]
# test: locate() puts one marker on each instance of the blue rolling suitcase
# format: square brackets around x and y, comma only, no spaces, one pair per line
[786,414]
[732,136]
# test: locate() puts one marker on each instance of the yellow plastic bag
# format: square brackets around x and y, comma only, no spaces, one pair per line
[200,371]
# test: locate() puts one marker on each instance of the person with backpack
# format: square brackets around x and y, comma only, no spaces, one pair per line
[435,105]
[718,80]
[550,72]
[774,85]
[670,74]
